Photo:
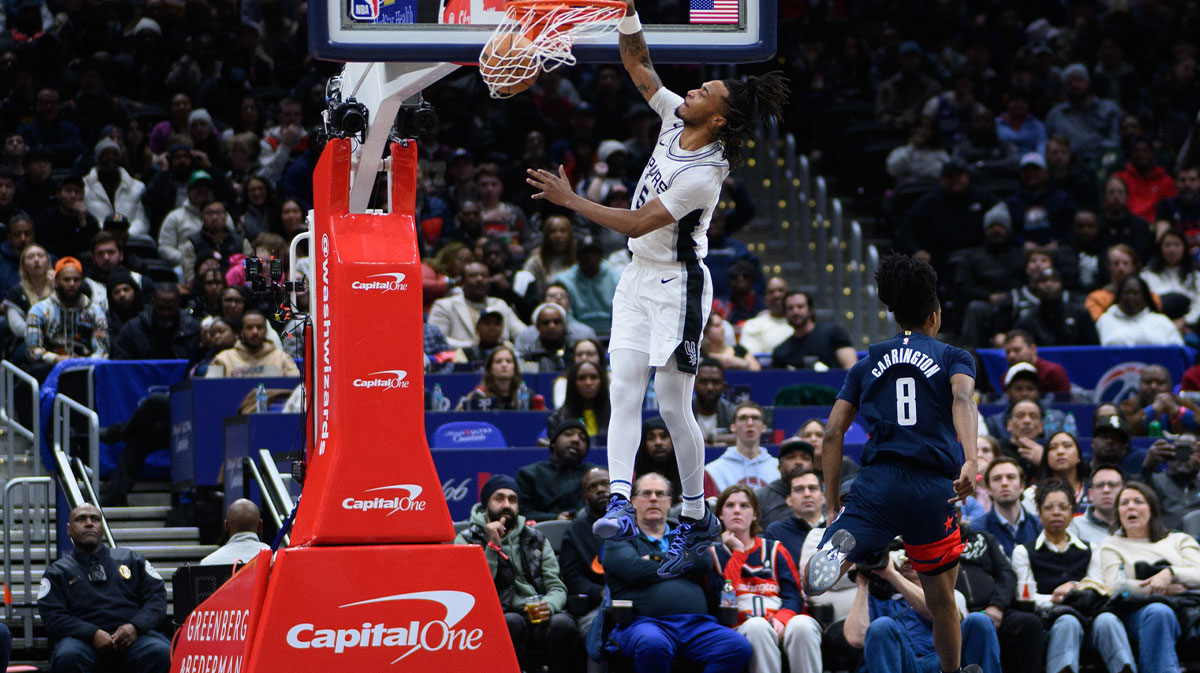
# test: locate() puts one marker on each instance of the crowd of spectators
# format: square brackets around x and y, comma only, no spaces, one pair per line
[1044,156]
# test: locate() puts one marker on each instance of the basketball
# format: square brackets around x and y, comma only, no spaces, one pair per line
[509,61]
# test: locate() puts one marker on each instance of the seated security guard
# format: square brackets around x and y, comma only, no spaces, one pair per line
[100,605]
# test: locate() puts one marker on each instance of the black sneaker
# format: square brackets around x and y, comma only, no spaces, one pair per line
[619,521]
[691,539]
[825,568]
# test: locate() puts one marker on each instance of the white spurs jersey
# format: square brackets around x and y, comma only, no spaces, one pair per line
[687,182]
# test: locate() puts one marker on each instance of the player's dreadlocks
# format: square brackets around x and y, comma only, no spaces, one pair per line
[750,101]
[908,286]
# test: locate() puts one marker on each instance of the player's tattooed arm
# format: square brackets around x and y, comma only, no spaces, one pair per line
[635,55]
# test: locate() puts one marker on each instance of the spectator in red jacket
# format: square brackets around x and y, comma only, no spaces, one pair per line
[1147,182]
[1020,346]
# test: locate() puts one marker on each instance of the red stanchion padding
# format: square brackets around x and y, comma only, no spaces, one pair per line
[382,608]
[218,633]
[370,477]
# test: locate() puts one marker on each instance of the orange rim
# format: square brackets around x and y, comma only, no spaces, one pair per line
[542,8]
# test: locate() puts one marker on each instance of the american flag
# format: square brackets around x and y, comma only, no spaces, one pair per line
[713,11]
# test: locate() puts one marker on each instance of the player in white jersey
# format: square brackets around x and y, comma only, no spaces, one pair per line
[665,294]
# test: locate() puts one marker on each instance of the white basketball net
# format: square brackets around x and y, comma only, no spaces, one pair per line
[549,33]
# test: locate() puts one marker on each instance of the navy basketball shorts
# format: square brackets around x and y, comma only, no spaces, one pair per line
[889,499]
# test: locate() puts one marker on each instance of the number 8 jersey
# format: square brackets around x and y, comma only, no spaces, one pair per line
[902,390]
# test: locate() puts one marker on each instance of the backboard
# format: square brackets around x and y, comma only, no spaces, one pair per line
[677,31]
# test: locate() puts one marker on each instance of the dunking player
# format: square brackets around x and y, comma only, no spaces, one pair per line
[664,296]
[915,393]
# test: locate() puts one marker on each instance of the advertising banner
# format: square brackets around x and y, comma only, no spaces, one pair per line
[370,477]
[383,608]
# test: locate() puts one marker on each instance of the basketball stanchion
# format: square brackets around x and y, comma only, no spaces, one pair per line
[370,583]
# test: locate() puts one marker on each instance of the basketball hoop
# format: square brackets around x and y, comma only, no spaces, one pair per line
[536,36]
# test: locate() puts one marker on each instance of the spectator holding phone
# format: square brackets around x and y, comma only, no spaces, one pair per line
[1175,487]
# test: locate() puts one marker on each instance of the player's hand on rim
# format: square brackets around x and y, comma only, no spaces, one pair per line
[630,10]
[965,484]
[553,188]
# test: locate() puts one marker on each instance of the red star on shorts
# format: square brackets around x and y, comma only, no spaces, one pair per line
[949,522]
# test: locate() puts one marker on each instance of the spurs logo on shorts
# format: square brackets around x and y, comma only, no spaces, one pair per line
[693,352]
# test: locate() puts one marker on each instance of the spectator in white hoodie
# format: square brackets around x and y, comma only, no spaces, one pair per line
[746,462]
[1132,321]
[108,188]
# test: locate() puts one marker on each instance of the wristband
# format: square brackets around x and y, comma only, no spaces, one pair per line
[630,24]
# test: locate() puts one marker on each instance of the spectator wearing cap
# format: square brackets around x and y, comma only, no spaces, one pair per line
[489,335]
[985,274]
[49,130]
[457,314]
[1021,347]
[1017,126]
[1134,319]
[216,238]
[946,220]
[1111,442]
[921,160]
[900,98]
[794,453]
[36,189]
[67,324]
[185,221]
[68,229]
[1155,401]
[1119,225]
[1088,122]
[1057,318]
[1147,183]
[591,283]
[545,341]
[1041,214]
[553,488]
[108,188]
[1021,382]
[523,566]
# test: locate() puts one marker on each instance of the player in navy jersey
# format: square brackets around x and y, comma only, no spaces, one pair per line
[665,294]
[917,396]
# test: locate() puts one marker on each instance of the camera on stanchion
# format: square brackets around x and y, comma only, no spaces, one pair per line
[266,284]
[343,118]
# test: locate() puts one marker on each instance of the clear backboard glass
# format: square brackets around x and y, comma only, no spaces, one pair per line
[678,31]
